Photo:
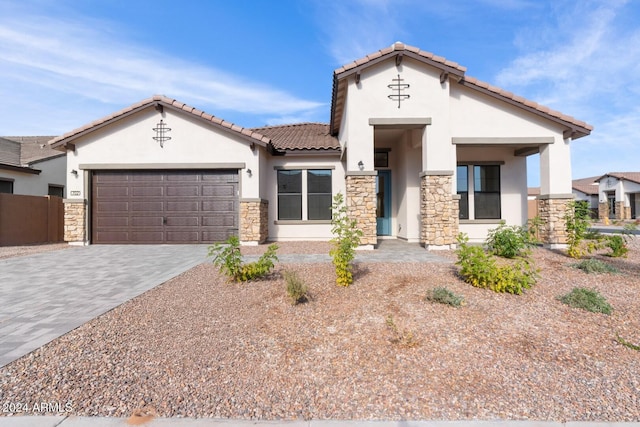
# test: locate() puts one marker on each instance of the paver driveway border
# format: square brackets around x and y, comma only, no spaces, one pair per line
[48,294]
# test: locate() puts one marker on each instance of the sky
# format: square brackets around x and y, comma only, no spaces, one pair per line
[66,63]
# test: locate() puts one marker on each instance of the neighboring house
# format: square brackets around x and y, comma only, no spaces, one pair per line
[619,195]
[586,189]
[29,166]
[421,151]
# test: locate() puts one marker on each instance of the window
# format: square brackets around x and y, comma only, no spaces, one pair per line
[6,186]
[486,189]
[312,187]
[319,194]
[289,194]
[485,193]
[56,190]
[463,190]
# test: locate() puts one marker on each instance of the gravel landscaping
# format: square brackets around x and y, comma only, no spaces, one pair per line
[198,346]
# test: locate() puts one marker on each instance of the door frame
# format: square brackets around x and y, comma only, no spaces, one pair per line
[383,223]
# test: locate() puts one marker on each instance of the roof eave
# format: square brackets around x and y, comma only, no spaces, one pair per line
[223,125]
[22,169]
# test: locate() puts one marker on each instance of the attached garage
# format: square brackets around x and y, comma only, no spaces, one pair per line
[164,206]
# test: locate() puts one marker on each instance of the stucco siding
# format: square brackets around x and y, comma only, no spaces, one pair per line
[130,142]
[53,172]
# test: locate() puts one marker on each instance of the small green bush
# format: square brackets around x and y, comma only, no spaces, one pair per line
[345,241]
[228,259]
[296,288]
[404,338]
[586,299]
[443,295]
[578,221]
[618,246]
[509,241]
[481,270]
[593,265]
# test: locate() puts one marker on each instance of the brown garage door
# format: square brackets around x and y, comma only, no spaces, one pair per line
[164,206]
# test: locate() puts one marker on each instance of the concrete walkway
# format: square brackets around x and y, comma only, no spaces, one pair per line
[49,294]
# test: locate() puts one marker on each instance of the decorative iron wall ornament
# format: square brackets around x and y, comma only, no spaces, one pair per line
[398,87]
[161,133]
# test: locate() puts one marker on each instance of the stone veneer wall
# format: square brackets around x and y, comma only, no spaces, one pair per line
[627,212]
[620,210]
[254,220]
[552,213]
[439,211]
[75,224]
[603,210]
[361,205]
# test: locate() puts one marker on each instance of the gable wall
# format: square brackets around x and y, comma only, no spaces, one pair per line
[130,141]
[369,99]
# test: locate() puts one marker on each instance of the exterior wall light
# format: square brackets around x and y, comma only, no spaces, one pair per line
[74,172]
[361,165]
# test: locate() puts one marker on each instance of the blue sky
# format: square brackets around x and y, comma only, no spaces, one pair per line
[64,63]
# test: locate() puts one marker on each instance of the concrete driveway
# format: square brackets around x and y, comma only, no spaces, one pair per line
[49,294]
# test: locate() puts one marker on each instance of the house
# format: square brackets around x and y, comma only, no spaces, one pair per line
[421,151]
[29,166]
[586,189]
[619,195]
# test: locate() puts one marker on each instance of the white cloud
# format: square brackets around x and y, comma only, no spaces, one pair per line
[48,59]
[586,66]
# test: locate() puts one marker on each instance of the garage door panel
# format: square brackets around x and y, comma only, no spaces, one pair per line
[147,236]
[182,221]
[189,206]
[182,206]
[183,191]
[219,221]
[151,206]
[217,236]
[182,236]
[147,221]
[113,221]
[222,190]
[147,191]
[113,206]
[219,206]
[219,177]
[112,191]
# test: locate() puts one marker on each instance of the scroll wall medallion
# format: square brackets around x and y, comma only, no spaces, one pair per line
[398,88]
[161,130]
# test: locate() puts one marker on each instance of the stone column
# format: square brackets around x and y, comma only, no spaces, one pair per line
[553,210]
[620,210]
[361,204]
[75,221]
[603,211]
[438,212]
[254,221]
[627,212]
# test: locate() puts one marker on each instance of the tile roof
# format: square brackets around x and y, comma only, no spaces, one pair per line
[21,151]
[165,102]
[586,185]
[457,72]
[628,176]
[301,136]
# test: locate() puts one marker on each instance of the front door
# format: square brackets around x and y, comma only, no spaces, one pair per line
[611,199]
[383,205]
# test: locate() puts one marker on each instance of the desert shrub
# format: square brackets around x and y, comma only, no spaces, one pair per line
[509,241]
[593,265]
[404,337]
[481,270]
[578,221]
[618,246]
[534,227]
[228,259]
[296,288]
[586,299]
[345,241]
[443,295]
